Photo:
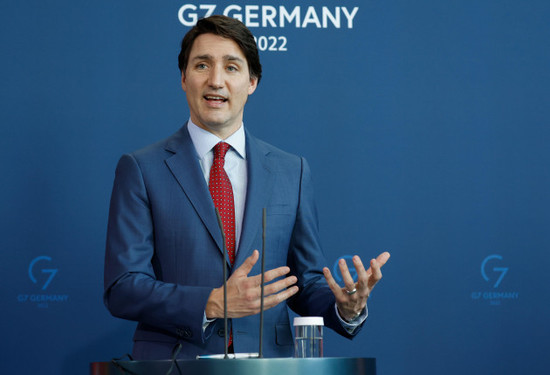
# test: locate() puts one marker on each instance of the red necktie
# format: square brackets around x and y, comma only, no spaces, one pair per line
[222,195]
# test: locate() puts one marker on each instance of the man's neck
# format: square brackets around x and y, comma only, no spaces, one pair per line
[222,132]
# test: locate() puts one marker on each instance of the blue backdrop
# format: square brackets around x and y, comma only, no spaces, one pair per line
[426,124]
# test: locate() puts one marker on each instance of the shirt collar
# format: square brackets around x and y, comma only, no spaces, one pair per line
[204,141]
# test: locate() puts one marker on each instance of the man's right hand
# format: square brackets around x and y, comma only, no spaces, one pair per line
[244,292]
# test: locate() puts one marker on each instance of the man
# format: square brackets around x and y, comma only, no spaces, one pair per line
[164,257]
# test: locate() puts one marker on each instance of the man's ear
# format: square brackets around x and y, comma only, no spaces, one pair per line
[253,85]
[183,85]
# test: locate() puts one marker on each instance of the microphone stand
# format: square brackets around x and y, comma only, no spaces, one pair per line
[260,352]
[225,260]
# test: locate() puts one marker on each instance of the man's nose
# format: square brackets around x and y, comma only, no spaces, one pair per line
[215,78]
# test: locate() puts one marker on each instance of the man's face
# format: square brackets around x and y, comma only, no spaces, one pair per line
[217,84]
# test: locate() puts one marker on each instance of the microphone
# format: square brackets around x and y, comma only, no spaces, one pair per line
[225,260]
[260,352]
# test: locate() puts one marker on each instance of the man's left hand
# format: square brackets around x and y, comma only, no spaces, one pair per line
[352,298]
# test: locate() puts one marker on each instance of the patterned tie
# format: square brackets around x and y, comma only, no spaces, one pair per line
[222,195]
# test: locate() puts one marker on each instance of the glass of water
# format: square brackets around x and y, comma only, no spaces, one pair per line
[308,337]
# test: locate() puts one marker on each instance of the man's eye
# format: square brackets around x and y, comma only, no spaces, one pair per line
[201,66]
[232,68]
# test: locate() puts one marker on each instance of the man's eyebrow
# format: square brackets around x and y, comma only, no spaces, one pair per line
[210,58]
[233,58]
[202,57]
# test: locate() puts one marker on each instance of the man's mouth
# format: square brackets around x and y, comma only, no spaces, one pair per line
[215,98]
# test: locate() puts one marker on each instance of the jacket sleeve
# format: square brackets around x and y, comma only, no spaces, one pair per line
[306,260]
[132,289]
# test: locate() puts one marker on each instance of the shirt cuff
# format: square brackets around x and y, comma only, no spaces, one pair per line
[206,322]
[352,325]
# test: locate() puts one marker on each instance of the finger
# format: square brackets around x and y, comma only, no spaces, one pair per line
[362,277]
[275,273]
[383,258]
[376,273]
[332,284]
[274,299]
[346,276]
[279,285]
[269,275]
[247,265]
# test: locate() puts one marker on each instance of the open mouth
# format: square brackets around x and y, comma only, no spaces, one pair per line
[215,98]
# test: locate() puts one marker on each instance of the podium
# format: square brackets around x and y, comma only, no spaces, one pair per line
[253,366]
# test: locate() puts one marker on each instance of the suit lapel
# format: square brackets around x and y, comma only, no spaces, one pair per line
[260,185]
[185,167]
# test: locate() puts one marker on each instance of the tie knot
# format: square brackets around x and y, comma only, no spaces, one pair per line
[220,150]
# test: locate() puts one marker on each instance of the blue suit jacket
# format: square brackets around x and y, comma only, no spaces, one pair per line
[164,248]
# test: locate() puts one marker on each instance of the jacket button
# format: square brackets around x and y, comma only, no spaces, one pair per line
[187,333]
[221,331]
[184,332]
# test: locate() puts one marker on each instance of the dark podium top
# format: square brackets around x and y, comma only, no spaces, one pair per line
[254,366]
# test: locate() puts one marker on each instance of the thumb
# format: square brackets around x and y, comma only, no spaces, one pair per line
[247,265]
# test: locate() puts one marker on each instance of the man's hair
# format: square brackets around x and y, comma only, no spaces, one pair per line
[225,27]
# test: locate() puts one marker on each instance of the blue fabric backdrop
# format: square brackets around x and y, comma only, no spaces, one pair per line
[426,124]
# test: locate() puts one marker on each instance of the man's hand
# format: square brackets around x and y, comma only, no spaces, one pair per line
[352,298]
[244,292]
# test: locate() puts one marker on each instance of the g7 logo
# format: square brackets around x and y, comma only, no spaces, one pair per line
[502,270]
[51,271]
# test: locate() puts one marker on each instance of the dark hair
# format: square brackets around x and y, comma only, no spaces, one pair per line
[225,27]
